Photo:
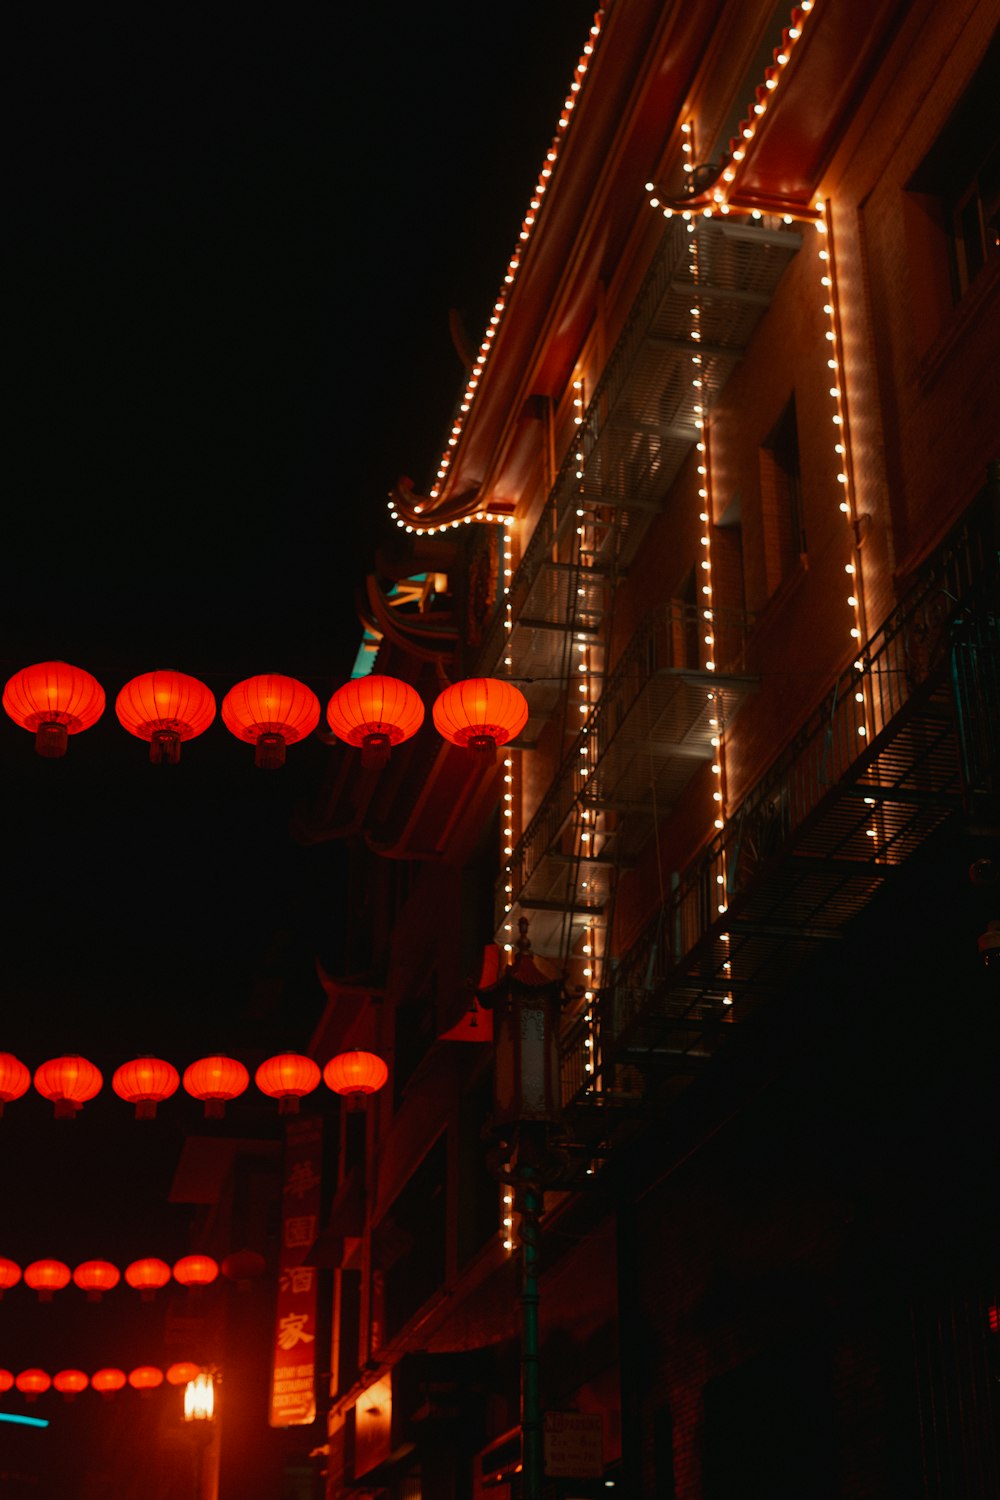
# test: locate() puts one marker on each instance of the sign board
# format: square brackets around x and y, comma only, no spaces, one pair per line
[574,1447]
[293,1371]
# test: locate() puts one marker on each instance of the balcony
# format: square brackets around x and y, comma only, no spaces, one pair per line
[639,749]
[821,834]
[639,427]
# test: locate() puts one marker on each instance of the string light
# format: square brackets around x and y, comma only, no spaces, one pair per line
[529,224]
[841,444]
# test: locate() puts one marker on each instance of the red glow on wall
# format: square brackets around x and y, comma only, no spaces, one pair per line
[145,1082]
[53,700]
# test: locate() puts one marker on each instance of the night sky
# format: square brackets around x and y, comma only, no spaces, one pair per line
[231,245]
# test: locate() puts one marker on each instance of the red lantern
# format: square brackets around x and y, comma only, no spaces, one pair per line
[375,712]
[165,708]
[270,712]
[355,1073]
[480,713]
[107,1381]
[69,1082]
[287,1077]
[53,700]
[196,1270]
[14,1079]
[95,1277]
[147,1276]
[243,1266]
[10,1275]
[6,1380]
[32,1383]
[46,1277]
[182,1372]
[215,1080]
[70,1383]
[146,1082]
[145,1378]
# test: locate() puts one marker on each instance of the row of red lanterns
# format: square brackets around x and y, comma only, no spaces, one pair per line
[147,1276]
[53,700]
[33,1383]
[70,1081]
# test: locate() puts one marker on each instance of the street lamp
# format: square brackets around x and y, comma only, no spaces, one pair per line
[200,1414]
[526,998]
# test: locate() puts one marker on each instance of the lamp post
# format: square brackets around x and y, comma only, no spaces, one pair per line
[526,999]
[200,1414]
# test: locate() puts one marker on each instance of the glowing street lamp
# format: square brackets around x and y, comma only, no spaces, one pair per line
[199,1398]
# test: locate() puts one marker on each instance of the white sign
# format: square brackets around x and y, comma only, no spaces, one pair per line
[574,1447]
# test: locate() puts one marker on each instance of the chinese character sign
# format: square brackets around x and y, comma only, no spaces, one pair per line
[293,1381]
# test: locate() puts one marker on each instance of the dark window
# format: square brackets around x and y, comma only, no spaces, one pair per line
[409,1241]
[957,185]
[781,498]
[768,1428]
[478,1192]
[349,1329]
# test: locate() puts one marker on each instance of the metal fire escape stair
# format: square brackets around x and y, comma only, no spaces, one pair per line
[816,840]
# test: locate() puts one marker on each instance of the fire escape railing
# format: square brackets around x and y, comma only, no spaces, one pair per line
[944,634]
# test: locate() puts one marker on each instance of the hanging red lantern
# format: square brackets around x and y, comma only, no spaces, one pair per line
[107,1381]
[165,708]
[182,1372]
[10,1274]
[32,1383]
[270,712]
[196,1270]
[215,1080]
[145,1082]
[53,700]
[14,1079]
[480,713]
[70,1383]
[243,1266]
[46,1277]
[68,1082]
[147,1276]
[6,1380]
[288,1078]
[145,1378]
[95,1277]
[376,713]
[355,1073]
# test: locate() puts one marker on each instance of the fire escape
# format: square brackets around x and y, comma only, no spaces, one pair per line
[647,728]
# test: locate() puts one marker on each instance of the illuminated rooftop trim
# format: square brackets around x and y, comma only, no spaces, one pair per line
[528,226]
[722,194]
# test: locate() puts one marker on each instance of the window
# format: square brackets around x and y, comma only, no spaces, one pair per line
[781,499]
[955,191]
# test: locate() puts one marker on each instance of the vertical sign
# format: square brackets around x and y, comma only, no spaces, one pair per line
[293,1378]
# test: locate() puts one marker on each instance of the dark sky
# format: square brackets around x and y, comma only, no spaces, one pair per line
[231,250]
[231,243]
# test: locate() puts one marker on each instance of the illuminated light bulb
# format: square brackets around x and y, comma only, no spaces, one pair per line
[849,567]
[862,730]
[852,601]
[844,506]
[781,59]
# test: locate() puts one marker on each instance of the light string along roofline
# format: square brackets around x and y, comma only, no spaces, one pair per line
[529,225]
